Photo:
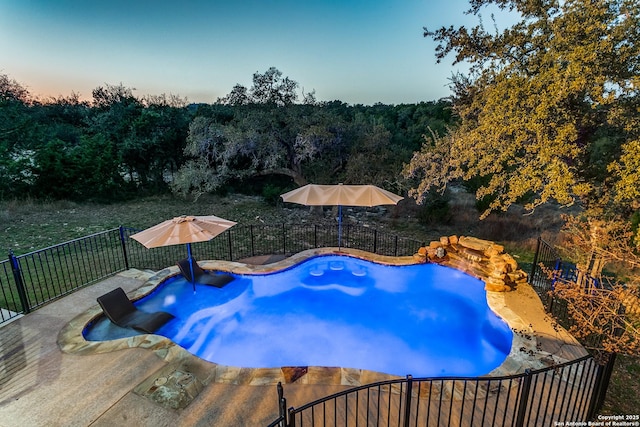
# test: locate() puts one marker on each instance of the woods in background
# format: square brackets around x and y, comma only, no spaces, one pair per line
[119,146]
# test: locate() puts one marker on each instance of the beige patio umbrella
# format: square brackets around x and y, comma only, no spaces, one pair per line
[340,194]
[183,230]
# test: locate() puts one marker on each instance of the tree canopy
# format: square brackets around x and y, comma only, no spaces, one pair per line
[549,110]
[119,145]
[107,149]
[259,140]
[267,88]
[262,131]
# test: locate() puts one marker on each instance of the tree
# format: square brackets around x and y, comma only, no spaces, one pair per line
[605,308]
[268,88]
[239,95]
[87,170]
[548,112]
[11,90]
[265,133]
[371,160]
[154,144]
[271,88]
[538,97]
[110,95]
[18,130]
[260,140]
[147,135]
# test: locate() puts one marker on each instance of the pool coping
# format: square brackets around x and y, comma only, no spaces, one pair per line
[538,342]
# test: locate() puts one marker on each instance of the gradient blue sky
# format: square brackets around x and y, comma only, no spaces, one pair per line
[356,51]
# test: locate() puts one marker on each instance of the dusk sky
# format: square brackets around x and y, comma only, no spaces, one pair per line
[355,51]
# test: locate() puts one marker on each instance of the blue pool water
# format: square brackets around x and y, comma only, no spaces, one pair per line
[424,320]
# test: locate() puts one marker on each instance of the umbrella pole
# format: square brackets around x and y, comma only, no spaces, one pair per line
[193,276]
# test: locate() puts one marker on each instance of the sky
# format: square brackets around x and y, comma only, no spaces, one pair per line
[355,51]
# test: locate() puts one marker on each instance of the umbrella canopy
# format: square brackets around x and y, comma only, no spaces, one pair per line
[340,194]
[183,230]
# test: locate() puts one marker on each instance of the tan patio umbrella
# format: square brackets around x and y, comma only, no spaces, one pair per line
[340,194]
[183,230]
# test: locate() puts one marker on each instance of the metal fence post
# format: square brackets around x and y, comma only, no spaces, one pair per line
[253,250]
[291,422]
[17,277]
[282,404]
[375,241]
[603,376]
[557,272]
[315,235]
[230,244]
[407,401]
[124,247]
[523,401]
[284,239]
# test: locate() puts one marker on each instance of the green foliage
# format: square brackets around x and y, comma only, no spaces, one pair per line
[260,140]
[87,171]
[371,159]
[472,186]
[265,133]
[269,88]
[435,210]
[539,98]
[271,194]
[119,145]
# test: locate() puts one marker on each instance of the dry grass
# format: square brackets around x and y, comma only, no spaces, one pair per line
[516,229]
[30,225]
[623,395]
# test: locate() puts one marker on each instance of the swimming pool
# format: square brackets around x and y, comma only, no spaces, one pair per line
[336,310]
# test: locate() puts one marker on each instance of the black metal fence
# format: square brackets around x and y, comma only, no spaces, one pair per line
[31,280]
[545,259]
[550,269]
[550,396]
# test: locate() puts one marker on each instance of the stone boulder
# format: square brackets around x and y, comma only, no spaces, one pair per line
[483,259]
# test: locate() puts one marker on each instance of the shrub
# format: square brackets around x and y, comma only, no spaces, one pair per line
[435,210]
[271,194]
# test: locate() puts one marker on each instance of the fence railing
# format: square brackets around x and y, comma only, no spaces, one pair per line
[545,259]
[31,280]
[551,396]
[549,269]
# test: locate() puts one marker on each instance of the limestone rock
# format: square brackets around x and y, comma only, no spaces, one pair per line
[496,287]
[472,255]
[483,259]
[474,243]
